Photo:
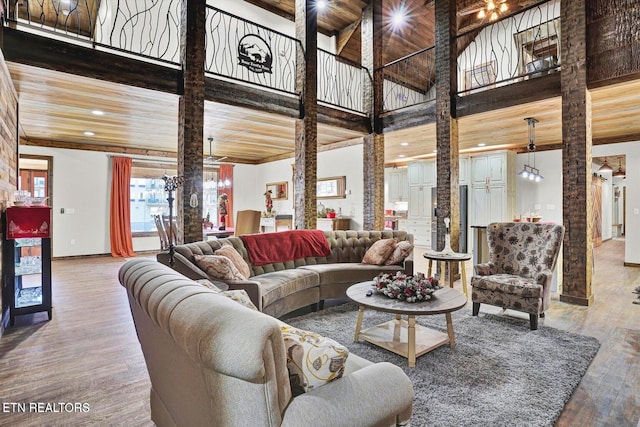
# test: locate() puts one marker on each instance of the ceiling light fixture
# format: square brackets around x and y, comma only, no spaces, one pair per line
[89,133]
[531,172]
[322,4]
[97,113]
[620,173]
[493,9]
[398,17]
[605,167]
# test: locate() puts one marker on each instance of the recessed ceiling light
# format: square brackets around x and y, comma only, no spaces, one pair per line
[435,151]
[97,113]
[88,133]
[398,17]
[404,144]
[402,155]
[482,144]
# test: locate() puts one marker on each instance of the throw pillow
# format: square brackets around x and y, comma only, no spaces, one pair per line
[235,257]
[403,249]
[379,252]
[238,295]
[218,267]
[312,360]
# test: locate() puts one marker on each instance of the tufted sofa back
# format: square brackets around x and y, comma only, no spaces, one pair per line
[346,246]
[523,248]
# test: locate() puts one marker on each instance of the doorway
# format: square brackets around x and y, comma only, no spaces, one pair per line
[35,175]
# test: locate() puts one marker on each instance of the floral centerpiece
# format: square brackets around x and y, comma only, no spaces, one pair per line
[405,287]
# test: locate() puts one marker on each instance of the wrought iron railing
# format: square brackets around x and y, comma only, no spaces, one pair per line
[341,83]
[409,80]
[148,28]
[145,28]
[242,50]
[526,45]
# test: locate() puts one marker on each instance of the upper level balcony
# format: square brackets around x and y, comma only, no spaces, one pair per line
[502,51]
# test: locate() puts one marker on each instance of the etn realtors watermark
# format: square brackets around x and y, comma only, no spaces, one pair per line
[45,407]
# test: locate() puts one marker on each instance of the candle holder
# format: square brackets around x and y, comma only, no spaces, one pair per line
[171,184]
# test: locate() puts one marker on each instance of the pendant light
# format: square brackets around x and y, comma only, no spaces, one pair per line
[531,172]
[605,167]
[620,173]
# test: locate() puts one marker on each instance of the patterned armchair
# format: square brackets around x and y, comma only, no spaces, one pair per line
[522,257]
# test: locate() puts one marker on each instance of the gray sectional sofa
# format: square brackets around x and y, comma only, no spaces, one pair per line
[279,288]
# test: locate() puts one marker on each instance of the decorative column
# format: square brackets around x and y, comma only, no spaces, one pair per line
[191,119]
[306,144]
[447,158]
[577,252]
[373,143]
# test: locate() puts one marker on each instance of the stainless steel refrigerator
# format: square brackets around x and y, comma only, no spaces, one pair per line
[464,197]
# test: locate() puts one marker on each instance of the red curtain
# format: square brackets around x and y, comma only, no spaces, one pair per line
[226,173]
[120,220]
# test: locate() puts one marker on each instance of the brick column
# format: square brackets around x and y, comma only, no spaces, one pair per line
[306,144]
[576,156]
[447,158]
[191,119]
[373,143]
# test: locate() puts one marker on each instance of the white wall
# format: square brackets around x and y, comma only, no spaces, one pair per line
[250,183]
[544,197]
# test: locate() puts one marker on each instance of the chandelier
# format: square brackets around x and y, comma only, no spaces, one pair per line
[531,172]
[493,9]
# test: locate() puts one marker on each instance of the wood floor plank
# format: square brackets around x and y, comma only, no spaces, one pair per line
[89,351]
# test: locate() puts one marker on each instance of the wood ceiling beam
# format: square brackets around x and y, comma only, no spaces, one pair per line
[409,117]
[108,148]
[44,52]
[345,35]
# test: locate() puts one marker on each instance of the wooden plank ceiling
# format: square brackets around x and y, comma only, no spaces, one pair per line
[55,108]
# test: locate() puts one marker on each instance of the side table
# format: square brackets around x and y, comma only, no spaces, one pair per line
[446,260]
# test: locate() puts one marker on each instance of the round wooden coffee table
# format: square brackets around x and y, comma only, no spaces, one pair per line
[405,337]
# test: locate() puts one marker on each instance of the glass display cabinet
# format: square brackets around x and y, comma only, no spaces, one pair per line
[27,260]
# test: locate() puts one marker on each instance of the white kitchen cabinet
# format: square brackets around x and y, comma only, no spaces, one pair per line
[419,202]
[492,188]
[421,231]
[464,170]
[422,173]
[396,185]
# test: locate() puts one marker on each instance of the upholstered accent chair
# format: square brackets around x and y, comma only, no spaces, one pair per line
[518,276]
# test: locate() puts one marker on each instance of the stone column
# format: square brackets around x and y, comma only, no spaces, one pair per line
[576,156]
[447,158]
[191,119]
[373,143]
[306,144]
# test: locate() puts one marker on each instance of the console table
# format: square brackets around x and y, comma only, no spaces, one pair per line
[331,224]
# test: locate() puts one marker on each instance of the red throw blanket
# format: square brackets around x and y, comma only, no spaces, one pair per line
[267,248]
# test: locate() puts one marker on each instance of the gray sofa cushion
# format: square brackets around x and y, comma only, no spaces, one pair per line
[279,284]
[349,272]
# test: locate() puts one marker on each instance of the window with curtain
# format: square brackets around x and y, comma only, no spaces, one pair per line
[148,197]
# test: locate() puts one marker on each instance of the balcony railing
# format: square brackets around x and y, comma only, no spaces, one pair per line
[241,50]
[148,29]
[410,80]
[340,82]
[523,46]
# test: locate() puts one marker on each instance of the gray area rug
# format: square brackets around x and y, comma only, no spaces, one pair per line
[499,374]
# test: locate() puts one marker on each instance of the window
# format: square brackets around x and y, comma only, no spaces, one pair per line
[148,197]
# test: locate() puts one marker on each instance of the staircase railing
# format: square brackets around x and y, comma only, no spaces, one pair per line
[409,80]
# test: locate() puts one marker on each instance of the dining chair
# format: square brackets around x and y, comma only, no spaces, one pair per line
[170,225]
[247,222]
[162,234]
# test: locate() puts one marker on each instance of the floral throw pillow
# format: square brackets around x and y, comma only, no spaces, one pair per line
[238,295]
[379,252]
[235,257]
[402,250]
[312,360]
[218,267]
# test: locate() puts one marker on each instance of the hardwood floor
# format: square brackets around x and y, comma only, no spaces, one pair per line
[89,352]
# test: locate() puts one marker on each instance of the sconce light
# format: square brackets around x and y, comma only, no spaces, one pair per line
[531,172]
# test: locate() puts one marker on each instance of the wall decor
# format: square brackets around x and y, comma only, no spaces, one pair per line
[255,54]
